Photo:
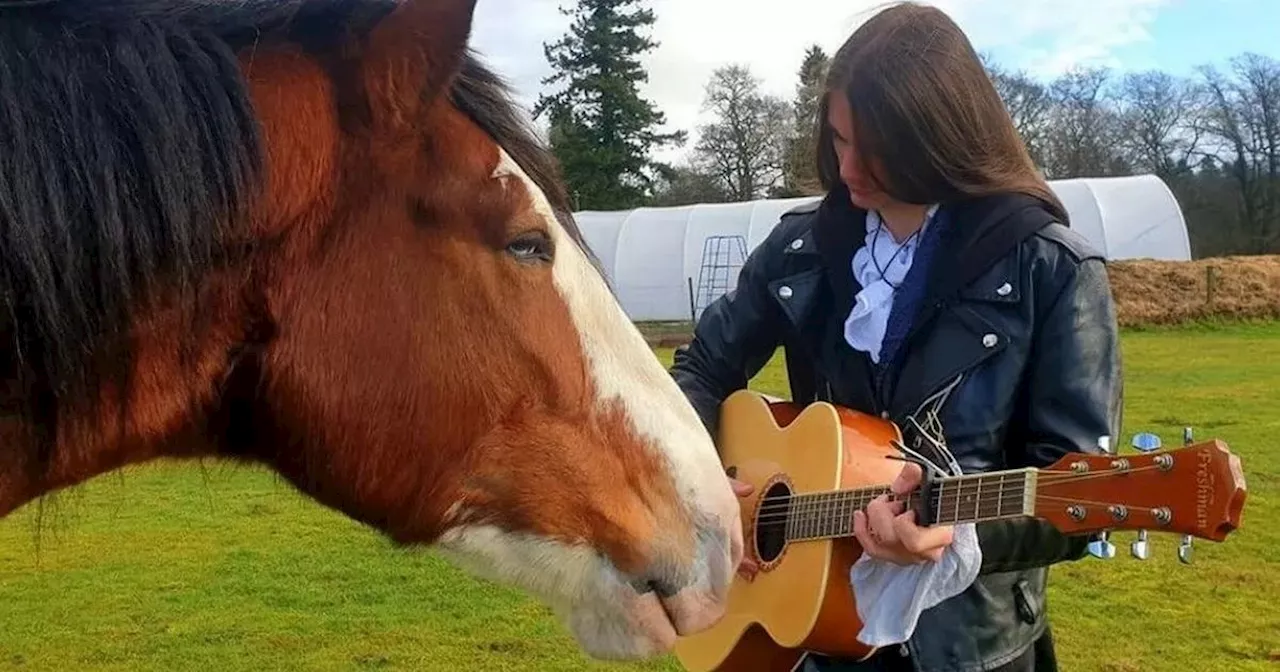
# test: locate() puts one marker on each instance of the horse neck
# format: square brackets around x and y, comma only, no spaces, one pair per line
[164,391]
[25,477]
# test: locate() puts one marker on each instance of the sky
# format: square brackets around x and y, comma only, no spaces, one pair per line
[1043,37]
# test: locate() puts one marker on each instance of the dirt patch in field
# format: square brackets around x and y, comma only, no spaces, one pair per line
[1173,292]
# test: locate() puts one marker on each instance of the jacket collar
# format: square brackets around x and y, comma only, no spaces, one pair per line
[983,230]
[980,233]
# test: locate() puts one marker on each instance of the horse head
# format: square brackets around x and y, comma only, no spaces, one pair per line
[313,235]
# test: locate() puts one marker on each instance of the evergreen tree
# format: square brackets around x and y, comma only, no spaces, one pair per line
[600,128]
[801,173]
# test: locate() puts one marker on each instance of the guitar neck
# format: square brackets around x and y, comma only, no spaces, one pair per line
[953,500]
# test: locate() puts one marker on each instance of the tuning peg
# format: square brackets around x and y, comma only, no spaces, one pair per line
[1139,548]
[1102,548]
[1146,442]
[1184,550]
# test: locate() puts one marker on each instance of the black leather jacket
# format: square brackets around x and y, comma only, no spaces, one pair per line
[1018,310]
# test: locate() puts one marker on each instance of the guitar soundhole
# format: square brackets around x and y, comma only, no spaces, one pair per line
[771,523]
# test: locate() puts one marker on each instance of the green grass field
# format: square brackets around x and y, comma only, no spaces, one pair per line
[179,567]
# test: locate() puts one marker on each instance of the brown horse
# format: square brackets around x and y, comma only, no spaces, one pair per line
[313,235]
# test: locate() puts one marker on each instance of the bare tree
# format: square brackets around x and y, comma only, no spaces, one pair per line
[1157,113]
[744,149]
[1029,106]
[1083,128]
[1214,139]
[1242,117]
[686,185]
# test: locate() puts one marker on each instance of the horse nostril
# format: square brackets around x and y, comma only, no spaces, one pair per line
[663,588]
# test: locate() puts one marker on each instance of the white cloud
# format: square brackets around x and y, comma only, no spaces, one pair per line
[1045,37]
[1050,36]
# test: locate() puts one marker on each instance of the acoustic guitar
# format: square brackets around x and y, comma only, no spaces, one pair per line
[813,466]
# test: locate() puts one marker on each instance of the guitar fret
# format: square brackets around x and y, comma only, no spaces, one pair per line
[811,528]
[815,516]
[1000,496]
[959,496]
[832,503]
[819,506]
[980,511]
[833,517]
[801,517]
[977,501]
[1004,510]
[837,506]
[796,518]
[940,493]
[811,513]
[835,503]
[846,516]
[819,515]
[797,514]
[808,518]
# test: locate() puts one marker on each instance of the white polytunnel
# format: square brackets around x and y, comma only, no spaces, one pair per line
[668,263]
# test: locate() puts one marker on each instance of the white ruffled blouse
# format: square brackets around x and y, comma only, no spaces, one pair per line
[879,267]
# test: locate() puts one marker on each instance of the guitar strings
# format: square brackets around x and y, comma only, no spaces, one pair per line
[1073,500]
[1047,498]
[948,490]
[1010,493]
[803,520]
[973,501]
[804,507]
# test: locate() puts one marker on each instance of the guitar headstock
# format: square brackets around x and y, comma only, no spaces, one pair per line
[1198,490]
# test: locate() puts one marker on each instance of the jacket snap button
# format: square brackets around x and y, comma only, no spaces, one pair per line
[797,244]
[784,292]
[1004,289]
[990,340]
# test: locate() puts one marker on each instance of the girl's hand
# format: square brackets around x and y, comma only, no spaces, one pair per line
[888,532]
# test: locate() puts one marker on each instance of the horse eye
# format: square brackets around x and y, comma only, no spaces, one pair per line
[531,247]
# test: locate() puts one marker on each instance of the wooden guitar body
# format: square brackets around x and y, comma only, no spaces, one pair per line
[812,467]
[801,598]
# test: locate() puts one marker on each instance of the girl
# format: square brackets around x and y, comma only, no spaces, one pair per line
[936,280]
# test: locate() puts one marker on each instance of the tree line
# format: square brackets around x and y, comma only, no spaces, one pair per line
[1213,136]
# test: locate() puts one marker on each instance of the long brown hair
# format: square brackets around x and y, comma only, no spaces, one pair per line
[926,110]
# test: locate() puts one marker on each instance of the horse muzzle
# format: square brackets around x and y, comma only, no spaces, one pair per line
[679,595]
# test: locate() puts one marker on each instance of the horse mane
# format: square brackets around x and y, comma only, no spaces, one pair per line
[129,155]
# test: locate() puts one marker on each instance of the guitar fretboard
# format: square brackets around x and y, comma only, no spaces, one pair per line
[963,499]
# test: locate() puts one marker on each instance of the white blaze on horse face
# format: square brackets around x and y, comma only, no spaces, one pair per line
[625,370]
[607,614]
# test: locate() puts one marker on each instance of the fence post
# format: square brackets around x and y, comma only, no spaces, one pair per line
[693,310]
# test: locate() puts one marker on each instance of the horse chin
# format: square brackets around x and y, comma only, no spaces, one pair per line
[602,609]
[633,627]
